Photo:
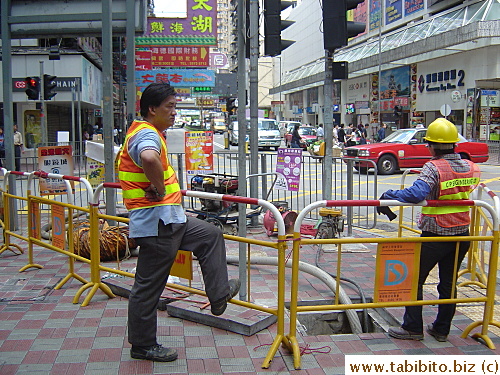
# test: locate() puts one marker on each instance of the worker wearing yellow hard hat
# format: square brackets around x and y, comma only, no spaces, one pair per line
[445,177]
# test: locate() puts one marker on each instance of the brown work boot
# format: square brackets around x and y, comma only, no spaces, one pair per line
[403,334]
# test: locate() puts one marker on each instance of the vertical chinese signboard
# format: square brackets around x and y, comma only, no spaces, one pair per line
[199,149]
[56,160]
[288,166]
[396,273]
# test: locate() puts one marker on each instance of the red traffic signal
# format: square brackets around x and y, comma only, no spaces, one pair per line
[32,87]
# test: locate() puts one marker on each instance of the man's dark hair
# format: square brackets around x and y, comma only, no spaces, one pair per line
[154,95]
[442,148]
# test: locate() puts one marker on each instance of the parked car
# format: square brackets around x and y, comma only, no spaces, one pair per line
[406,148]
[307,133]
[268,133]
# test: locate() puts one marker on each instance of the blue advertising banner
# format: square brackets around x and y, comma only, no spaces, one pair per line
[395,82]
[375,17]
[176,77]
[393,11]
[413,6]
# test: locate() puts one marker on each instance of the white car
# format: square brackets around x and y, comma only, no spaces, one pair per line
[268,133]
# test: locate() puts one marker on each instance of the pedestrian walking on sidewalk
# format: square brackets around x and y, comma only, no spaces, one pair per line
[160,227]
[18,147]
[446,176]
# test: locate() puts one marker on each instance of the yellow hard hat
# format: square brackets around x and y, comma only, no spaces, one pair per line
[442,131]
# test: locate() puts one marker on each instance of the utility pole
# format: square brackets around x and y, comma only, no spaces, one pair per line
[254,92]
[328,119]
[43,120]
[107,113]
[242,132]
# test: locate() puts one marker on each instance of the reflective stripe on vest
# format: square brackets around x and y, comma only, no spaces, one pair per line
[133,180]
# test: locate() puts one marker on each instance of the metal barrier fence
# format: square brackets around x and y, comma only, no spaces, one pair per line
[346,182]
[488,299]
[60,215]
[64,212]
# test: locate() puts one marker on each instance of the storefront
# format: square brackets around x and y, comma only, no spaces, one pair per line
[462,86]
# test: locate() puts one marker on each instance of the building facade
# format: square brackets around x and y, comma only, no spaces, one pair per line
[429,59]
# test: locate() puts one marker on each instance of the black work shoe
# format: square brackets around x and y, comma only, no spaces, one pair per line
[219,306]
[403,334]
[438,336]
[156,353]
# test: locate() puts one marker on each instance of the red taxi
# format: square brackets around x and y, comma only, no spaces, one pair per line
[406,148]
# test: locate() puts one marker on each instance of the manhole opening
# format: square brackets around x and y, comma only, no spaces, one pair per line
[334,322]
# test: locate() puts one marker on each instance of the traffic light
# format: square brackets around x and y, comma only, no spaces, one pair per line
[336,29]
[398,110]
[32,87]
[230,105]
[48,86]
[273,25]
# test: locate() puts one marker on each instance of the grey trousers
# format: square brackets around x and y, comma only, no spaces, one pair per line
[156,257]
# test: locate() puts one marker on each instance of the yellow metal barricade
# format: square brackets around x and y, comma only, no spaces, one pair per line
[8,231]
[488,299]
[280,245]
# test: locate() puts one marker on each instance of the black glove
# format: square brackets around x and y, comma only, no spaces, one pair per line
[386,210]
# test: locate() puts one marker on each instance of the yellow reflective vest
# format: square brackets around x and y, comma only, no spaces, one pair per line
[453,186]
[133,181]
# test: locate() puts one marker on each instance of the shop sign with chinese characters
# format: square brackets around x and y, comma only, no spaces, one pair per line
[198,28]
[56,160]
[176,77]
[178,56]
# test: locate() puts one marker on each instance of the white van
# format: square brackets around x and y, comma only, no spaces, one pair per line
[268,133]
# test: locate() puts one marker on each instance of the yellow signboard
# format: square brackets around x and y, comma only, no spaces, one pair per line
[396,273]
[183,265]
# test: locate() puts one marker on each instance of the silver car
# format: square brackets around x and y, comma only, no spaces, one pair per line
[268,133]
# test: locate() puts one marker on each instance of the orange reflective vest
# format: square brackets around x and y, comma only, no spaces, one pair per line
[453,186]
[133,181]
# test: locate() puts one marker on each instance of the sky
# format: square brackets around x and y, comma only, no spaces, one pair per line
[170,8]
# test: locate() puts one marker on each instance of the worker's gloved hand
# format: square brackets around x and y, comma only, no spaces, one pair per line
[386,210]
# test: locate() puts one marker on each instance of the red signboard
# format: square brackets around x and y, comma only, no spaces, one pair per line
[143,60]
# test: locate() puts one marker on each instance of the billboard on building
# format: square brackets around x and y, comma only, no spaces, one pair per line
[198,28]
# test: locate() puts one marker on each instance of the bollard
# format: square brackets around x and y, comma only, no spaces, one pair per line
[226,140]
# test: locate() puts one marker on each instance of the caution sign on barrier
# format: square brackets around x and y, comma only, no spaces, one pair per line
[396,273]
[35,220]
[58,227]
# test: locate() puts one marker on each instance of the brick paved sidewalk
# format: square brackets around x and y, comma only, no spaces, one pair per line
[43,332]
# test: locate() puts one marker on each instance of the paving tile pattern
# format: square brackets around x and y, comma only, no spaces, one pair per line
[43,332]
